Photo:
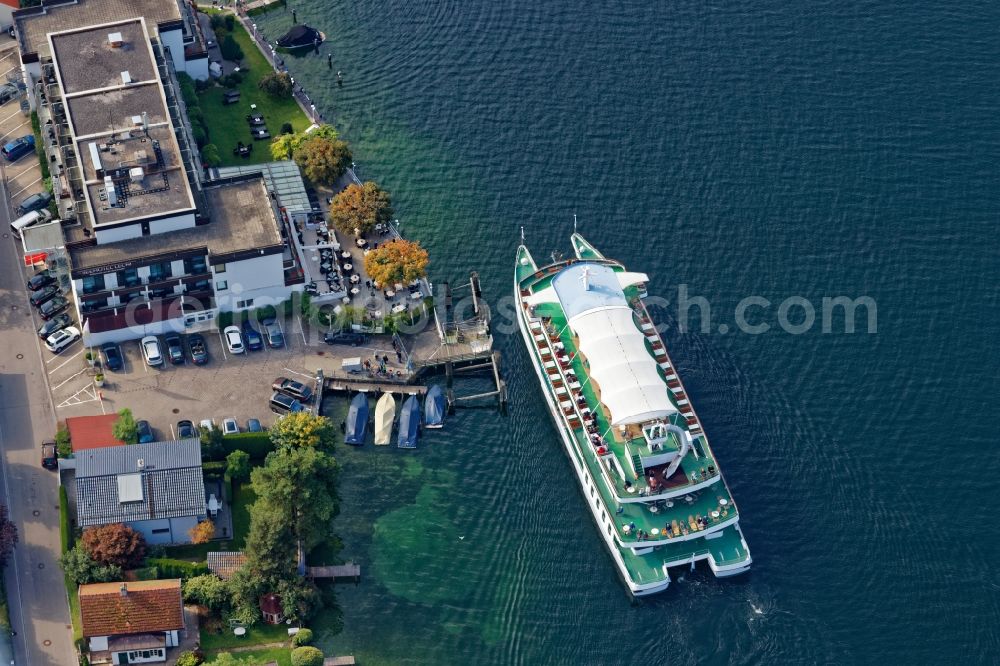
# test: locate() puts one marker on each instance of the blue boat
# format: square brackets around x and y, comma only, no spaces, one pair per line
[409,424]
[434,407]
[357,421]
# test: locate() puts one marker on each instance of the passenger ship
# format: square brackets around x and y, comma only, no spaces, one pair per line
[638,449]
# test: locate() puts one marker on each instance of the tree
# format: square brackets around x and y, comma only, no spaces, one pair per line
[302,637]
[207,590]
[238,464]
[396,261]
[303,429]
[322,160]
[307,655]
[360,207]
[191,657]
[8,535]
[116,544]
[210,155]
[212,446]
[77,564]
[202,532]
[284,146]
[124,428]
[276,84]
[230,49]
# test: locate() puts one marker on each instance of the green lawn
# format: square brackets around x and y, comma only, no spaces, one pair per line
[227,123]
[257,634]
[195,552]
[243,497]
[259,657]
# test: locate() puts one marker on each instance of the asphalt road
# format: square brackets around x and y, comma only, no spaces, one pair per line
[35,591]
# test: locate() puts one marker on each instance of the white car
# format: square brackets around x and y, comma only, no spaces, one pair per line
[59,340]
[151,351]
[234,341]
[230,427]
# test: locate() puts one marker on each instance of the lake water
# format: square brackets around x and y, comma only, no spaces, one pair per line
[767,149]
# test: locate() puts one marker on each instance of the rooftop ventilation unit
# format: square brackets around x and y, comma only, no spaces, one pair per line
[115,40]
[137,121]
[126,77]
[109,187]
[135,174]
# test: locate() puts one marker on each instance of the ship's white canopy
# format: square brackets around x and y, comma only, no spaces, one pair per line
[592,298]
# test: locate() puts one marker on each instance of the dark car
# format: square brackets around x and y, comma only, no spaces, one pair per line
[197,348]
[252,337]
[35,202]
[282,403]
[50,460]
[51,308]
[186,430]
[39,280]
[293,388]
[18,148]
[272,332]
[39,296]
[253,425]
[112,356]
[53,325]
[344,338]
[145,432]
[8,91]
[175,348]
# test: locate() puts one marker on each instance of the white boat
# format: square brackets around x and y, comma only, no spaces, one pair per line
[385,413]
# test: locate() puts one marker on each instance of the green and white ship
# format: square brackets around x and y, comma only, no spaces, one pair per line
[638,449]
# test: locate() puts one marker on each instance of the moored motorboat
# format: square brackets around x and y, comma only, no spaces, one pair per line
[385,413]
[409,424]
[357,420]
[434,407]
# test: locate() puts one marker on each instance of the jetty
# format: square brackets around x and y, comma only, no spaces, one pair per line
[349,571]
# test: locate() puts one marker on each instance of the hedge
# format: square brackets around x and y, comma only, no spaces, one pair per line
[257,444]
[171,568]
[65,528]
[214,467]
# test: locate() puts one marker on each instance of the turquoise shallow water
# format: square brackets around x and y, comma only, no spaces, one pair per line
[768,149]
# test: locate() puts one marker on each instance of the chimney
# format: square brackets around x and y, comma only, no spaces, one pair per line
[115,40]
[140,463]
[123,590]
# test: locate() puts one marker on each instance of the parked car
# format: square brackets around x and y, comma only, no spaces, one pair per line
[292,388]
[50,457]
[112,357]
[272,332]
[186,430]
[35,202]
[55,324]
[175,349]
[51,308]
[40,279]
[8,91]
[344,338]
[39,296]
[18,148]
[252,336]
[253,425]
[234,341]
[61,339]
[151,351]
[282,403]
[145,432]
[230,426]
[197,349]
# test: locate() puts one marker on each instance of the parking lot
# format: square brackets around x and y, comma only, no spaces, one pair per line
[237,386]
[24,177]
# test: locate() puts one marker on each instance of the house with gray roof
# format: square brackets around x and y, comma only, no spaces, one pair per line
[156,488]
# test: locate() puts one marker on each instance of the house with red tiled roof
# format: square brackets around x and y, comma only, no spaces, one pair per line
[92,432]
[131,623]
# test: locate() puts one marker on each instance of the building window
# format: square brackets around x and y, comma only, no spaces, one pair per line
[160,271]
[128,277]
[221,285]
[162,530]
[195,265]
[219,268]
[244,304]
[93,283]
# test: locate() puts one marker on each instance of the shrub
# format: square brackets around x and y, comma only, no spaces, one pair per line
[230,49]
[256,444]
[65,529]
[303,637]
[125,428]
[63,446]
[307,656]
[207,590]
[238,465]
[191,658]
[201,85]
[230,22]
[216,21]
[210,155]
[276,84]
[200,137]
[202,532]
[286,128]
[81,568]
[188,91]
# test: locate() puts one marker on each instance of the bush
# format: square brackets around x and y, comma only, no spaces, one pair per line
[65,529]
[234,79]
[303,637]
[200,137]
[276,84]
[256,444]
[307,656]
[201,85]
[214,468]
[125,428]
[190,658]
[171,568]
[63,446]
[238,465]
[286,128]
[188,91]
[210,155]
[230,49]
[216,21]
[230,22]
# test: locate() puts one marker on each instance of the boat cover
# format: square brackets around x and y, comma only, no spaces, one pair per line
[409,423]
[357,420]
[434,407]
[385,412]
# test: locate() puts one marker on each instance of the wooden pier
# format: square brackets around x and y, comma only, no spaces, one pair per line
[344,385]
[349,571]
